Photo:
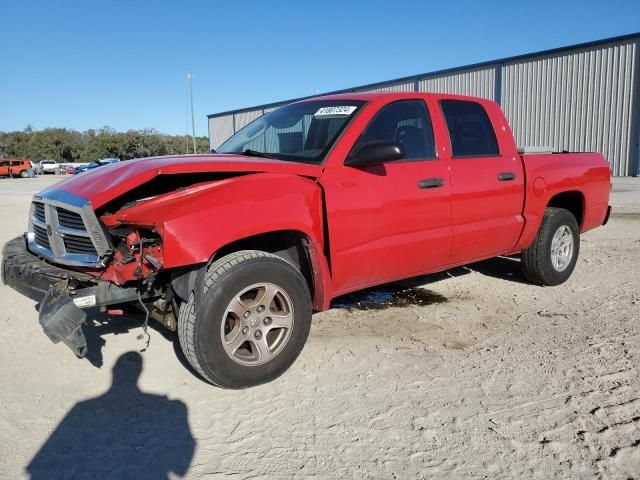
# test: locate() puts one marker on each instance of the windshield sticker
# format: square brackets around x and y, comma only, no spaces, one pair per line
[335,111]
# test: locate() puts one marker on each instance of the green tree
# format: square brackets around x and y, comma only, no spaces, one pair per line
[65,145]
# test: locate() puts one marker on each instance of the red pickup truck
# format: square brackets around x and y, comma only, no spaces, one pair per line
[236,249]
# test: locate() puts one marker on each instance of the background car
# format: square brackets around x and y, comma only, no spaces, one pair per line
[96,164]
[16,168]
[49,166]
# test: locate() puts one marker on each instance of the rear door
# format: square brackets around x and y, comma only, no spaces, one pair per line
[391,220]
[4,168]
[487,183]
[17,166]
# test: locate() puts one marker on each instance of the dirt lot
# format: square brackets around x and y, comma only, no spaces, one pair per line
[468,374]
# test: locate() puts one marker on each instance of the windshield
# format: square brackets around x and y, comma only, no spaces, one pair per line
[300,132]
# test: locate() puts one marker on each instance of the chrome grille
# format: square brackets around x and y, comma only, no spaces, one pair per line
[38,211]
[77,244]
[69,219]
[41,236]
[64,228]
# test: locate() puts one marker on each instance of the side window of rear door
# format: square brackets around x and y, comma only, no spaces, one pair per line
[470,130]
[406,122]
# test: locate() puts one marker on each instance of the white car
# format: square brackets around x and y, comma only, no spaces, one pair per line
[49,166]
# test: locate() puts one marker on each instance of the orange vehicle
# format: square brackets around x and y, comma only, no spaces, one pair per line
[16,168]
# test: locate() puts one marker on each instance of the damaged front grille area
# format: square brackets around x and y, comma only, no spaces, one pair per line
[64,229]
[77,244]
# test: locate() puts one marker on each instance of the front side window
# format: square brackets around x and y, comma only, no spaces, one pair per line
[405,122]
[299,132]
[470,130]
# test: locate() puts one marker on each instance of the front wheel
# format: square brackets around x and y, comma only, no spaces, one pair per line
[551,258]
[24,174]
[249,321]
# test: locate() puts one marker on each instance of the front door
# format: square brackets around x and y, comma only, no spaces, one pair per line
[392,220]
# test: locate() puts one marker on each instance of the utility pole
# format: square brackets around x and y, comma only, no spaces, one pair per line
[193,118]
[186,128]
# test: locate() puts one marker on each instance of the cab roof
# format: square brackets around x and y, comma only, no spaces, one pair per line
[369,96]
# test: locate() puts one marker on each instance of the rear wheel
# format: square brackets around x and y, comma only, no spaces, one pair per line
[551,258]
[249,322]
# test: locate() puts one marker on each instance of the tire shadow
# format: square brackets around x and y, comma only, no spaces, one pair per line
[100,325]
[402,293]
[504,268]
[412,291]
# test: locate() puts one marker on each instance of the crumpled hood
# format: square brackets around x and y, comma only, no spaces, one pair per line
[103,184]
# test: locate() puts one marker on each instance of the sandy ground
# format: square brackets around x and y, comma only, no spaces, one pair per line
[473,374]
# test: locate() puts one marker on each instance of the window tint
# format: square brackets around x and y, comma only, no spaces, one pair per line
[470,129]
[406,122]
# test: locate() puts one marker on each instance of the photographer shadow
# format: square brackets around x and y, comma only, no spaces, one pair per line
[124,433]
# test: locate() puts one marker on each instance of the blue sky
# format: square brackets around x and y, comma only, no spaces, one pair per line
[123,64]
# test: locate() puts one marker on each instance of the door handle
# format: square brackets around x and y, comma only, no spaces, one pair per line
[431,183]
[506,176]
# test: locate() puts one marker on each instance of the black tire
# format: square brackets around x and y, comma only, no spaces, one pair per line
[201,318]
[24,174]
[537,264]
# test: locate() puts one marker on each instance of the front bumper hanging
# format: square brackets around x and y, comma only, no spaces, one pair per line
[63,294]
[62,320]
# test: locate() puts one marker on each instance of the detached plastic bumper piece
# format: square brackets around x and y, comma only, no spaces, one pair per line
[62,321]
[63,293]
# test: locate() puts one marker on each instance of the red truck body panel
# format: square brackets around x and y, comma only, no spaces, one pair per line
[199,221]
[551,174]
[411,231]
[99,186]
[366,225]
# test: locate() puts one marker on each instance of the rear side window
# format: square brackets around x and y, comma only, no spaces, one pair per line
[406,122]
[470,129]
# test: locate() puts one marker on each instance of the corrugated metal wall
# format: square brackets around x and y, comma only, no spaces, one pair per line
[394,87]
[579,99]
[220,128]
[477,83]
[245,118]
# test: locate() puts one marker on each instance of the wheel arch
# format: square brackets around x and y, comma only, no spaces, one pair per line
[294,246]
[571,200]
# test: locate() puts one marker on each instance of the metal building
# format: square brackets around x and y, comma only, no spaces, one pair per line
[583,97]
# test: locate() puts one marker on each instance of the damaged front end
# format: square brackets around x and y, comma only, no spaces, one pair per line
[83,252]
[64,294]
[70,261]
